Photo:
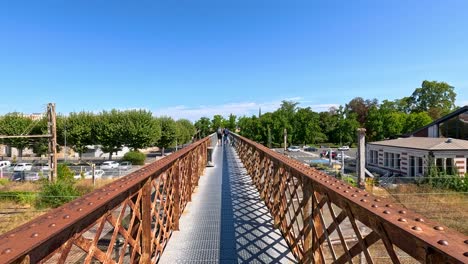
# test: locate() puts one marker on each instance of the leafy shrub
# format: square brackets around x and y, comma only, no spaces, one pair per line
[54,194]
[135,157]
[18,196]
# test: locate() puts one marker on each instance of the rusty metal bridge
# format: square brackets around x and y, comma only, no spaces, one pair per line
[253,206]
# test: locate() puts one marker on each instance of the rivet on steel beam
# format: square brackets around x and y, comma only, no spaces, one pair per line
[346,191]
[6,251]
[363,200]
[49,217]
[339,188]
[402,220]
[100,198]
[76,203]
[419,220]
[66,216]
[52,225]
[377,200]
[416,228]
[33,225]
[11,235]
[357,191]
[34,235]
[367,195]
[439,228]
[79,209]
[402,212]
[354,195]
[107,193]
[90,203]
[386,212]
[465,254]
[375,206]
[389,205]
[442,242]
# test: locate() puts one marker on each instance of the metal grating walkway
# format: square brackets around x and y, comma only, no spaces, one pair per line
[226,222]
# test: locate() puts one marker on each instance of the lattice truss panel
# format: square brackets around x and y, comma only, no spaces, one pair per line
[318,216]
[114,238]
[127,221]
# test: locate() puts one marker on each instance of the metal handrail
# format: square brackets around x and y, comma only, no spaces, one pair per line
[300,198]
[142,209]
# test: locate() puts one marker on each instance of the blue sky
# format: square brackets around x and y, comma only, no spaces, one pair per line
[187,58]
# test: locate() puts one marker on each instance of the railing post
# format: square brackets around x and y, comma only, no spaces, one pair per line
[176,192]
[361,166]
[277,202]
[146,223]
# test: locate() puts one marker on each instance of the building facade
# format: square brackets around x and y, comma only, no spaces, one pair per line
[412,157]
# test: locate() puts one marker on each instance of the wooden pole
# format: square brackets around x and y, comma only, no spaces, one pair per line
[52,128]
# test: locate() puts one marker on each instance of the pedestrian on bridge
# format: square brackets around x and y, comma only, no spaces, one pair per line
[219,133]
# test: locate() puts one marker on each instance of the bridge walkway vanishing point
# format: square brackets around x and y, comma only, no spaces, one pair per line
[226,222]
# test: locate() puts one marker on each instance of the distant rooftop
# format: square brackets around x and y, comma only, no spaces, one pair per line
[425,143]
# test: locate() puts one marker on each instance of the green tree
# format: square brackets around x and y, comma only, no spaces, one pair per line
[109,131]
[168,133]
[15,124]
[203,127]
[415,121]
[80,131]
[360,107]
[185,131]
[218,121]
[141,129]
[231,123]
[437,98]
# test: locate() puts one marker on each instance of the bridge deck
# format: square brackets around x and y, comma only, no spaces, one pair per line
[226,222]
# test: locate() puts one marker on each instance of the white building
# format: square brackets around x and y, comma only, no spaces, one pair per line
[410,156]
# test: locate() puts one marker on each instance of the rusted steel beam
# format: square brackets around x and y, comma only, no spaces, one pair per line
[422,239]
[42,237]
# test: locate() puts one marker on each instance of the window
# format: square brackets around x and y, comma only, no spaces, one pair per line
[398,161]
[440,164]
[449,169]
[386,161]
[420,166]
[373,157]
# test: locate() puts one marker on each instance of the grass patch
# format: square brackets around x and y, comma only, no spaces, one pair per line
[443,206]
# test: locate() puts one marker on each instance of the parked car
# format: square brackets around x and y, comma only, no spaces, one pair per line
[325,154]
[125,165]
[23,167]
[343,148]
[109,165]
[338,157]
[25,176]
[89,174]
[310,149]
[42,166]
[5,163]
[293,149]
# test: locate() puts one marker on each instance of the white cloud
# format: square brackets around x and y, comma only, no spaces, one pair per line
[238,109]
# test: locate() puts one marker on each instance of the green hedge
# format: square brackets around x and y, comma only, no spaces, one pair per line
[135,157]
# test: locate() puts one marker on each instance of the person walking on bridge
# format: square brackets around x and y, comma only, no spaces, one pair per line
[226,136]
[219,133]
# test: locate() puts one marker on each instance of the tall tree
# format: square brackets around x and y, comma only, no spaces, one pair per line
[217,122]
[437,98]
[141,129]
[185,131]
[15,124]
[109,130]
[168,133]
[80,131]
[203,127]
[360,107]
[231,123]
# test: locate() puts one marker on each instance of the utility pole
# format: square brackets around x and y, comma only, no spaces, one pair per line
[361,164]
[285,139]
[52,128]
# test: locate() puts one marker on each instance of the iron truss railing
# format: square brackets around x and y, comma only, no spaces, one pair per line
[127,221]
[325,220]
